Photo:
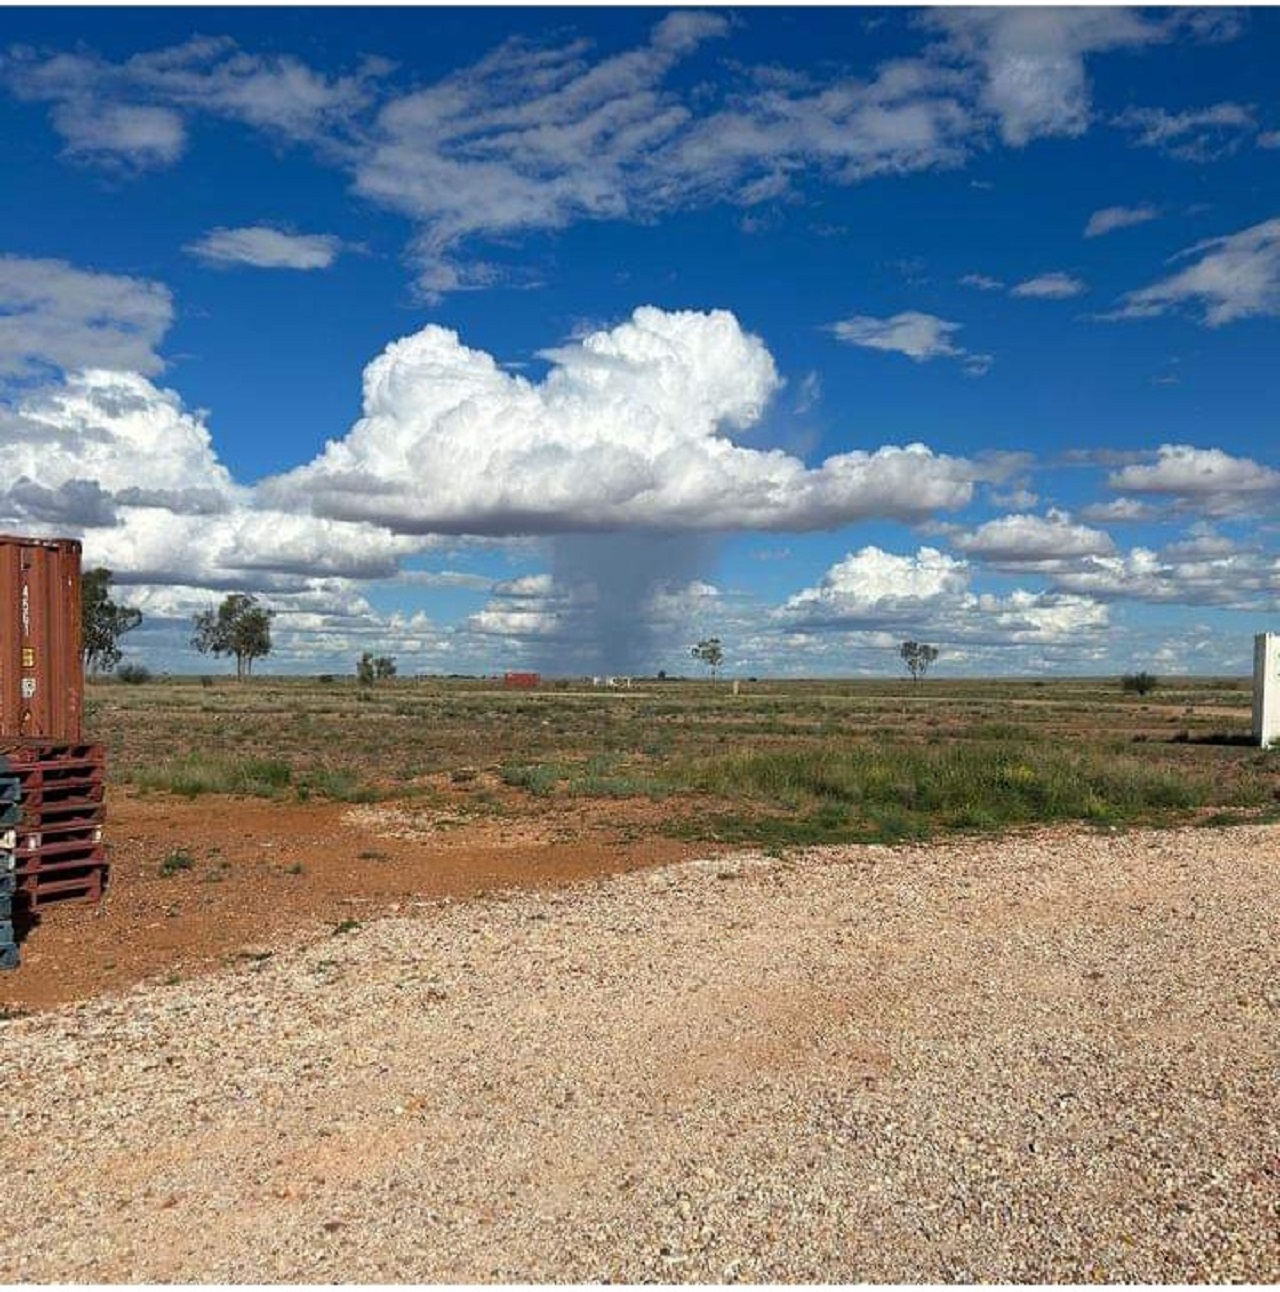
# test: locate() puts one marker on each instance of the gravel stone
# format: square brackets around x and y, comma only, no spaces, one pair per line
[1044,1058]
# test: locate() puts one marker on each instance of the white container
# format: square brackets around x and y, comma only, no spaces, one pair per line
[1266,688]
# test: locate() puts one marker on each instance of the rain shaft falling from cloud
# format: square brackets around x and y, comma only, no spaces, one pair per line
[613,628]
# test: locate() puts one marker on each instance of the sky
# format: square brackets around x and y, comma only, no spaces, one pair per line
[564,338]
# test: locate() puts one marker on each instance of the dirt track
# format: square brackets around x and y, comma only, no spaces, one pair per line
[1045,1058]
[262,867]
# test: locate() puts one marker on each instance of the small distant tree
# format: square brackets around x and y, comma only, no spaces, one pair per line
[917,656]
[709,652]
[1139,683]
[370,669]
[240,626]
[102,622]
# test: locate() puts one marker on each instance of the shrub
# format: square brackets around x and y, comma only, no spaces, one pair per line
[1139,683]
[540,779]
[134,674]
[177,860]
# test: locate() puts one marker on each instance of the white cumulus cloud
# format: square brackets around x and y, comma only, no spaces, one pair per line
[119,462]
[930,594]
[1023,541]
[1208,480]
[1181,574]
[120,432]
[631,428]
[54,315]
[872,587]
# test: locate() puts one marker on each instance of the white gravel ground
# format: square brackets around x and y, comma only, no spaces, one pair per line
[1053,1057]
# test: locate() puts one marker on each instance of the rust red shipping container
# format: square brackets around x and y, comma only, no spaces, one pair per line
[57,845]
[41,674]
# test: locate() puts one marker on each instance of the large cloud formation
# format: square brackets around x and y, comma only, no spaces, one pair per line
[115,459]
[930,593]
[538,135]
[630,428]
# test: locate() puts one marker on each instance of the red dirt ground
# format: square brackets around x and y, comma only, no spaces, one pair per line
[261,868]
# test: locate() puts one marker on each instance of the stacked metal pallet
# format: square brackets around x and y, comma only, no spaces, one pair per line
[10,815]
[58,854]
[51,847]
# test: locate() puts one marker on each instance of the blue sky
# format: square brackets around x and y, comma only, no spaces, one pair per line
[561,338]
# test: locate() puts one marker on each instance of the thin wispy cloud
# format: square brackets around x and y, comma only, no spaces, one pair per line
[263,247]
[1111,218]
[131,113]
[1200,135]
[1231,278]
[1055,286]
[919,336]
[537,136]
[1035,81]
[983,282]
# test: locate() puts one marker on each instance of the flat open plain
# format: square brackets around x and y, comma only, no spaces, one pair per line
[1050,1056]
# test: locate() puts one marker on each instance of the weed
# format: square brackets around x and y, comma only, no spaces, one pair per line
[345,926]
[343,786]
[539,780]
[177,860]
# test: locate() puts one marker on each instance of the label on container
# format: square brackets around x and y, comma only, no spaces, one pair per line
[28,657]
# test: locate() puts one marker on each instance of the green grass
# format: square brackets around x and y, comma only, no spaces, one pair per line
[539,779]
[896,792]
[199,773]
[784,760]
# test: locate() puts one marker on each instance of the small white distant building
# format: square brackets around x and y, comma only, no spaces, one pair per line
[1266,689]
